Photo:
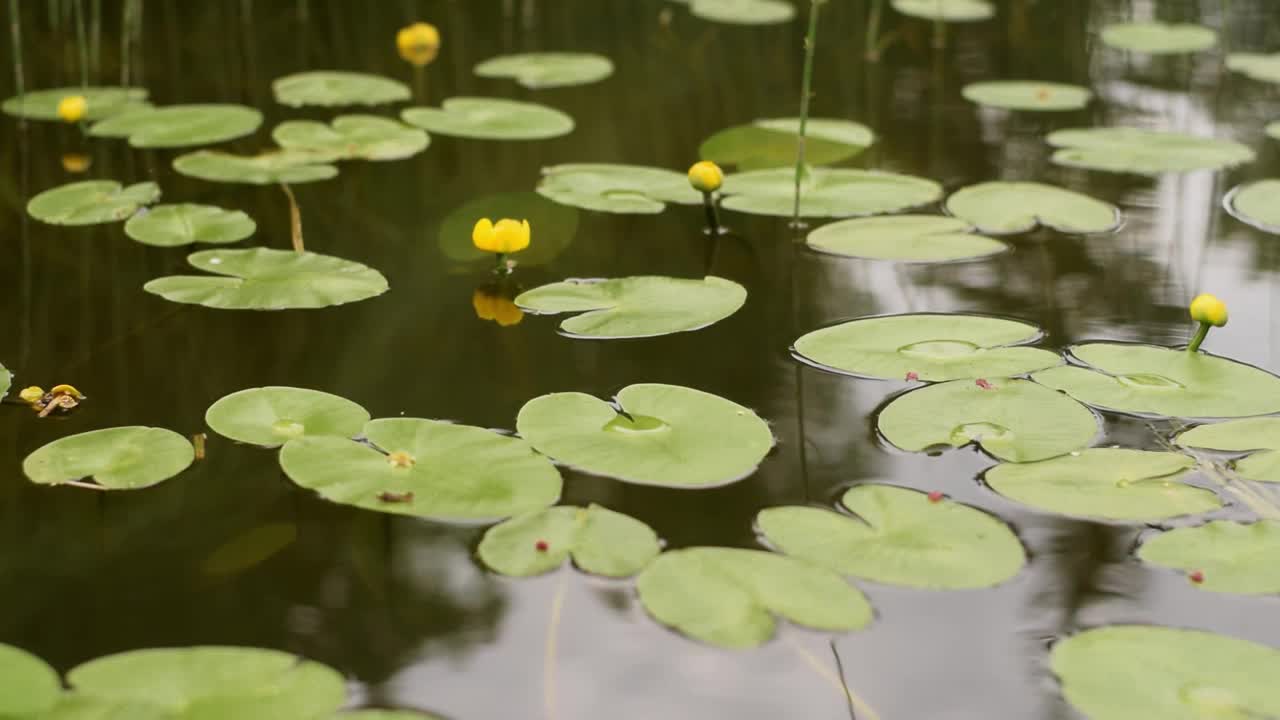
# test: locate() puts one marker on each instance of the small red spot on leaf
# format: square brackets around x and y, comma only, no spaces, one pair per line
[1196,577]
[936,496]
[982,383]
[913,376]
[541,546]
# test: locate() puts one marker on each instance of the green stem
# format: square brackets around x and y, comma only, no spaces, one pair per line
[81,44]
[872,44]
[713,217]
[806,89]
[1201,334]
[95,37]
[500,264]
[15,36]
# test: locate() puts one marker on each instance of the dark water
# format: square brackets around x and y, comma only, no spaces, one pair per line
[233,553]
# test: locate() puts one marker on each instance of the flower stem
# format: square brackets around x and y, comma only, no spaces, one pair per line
[872,48]
[713,216]
[1201,334]
[15,34]
[82,44]
[806,89]
[500,263]
[295,219]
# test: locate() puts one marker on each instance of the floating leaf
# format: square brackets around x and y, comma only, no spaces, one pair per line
[635,307]
[1161,381]
[100,102]
[1230,556]
[351,137]
[1264,68]
[28,686]
[899,537]
[74,706]
[1028,95]
[555,227]
[826,192]
[549,69]
[6,378]
[120,458]
[179,125]
[272,416]
[728,597]
[742,12]
[266,279]
[1013,420]
[425,468]
[185,224]
[946,10]
[616,188]
[491,119]
[329,88]
[1260,436]
[1273,130]
[657,435]
[904,238]
[771,143]
[600,540]
[266,169]
[90,202]
[1257,204]
[1144,152]
[1003,208]
[1158,38]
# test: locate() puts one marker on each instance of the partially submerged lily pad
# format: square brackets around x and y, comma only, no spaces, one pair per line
[1028,95]
[266,169]
[179,125]
[272,416]
[600,541]
[1257,204]
[1144,152]
[1003,208]
[556,224]
[120,458]
[771,143]
[946,10]
[1231,557]
[1258,436]
[90,202]
[635,307]
[1264,68]
[742,12]
[185,224]
[490,119]
[826,192]
[548,69]
[616,188]
[100,102]
[28,686]
[656,435]
[330,88]
[1159,38]
[904,238]
[351,137]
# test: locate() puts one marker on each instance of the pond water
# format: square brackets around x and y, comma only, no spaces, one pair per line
[231,552]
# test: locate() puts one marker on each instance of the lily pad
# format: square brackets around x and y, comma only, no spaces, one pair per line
[1124,672]
[771,143]
[120,458]
[91,202]
[1231,557]
[904,238]
[1264,68]
[351,137]
[826,192]
[270,168]
[548,69]
[635,307]
[899,537]
[272,416]
[1144,152]
[1028,95]
[28,686]
[425,468]
[1273,130]
[555,227]
[6,378]
[266,279]
[100,102]
[74,706]
[1257,204]
[185,224]
[656,435]
[179,125]
[729,597]
[330,88]
[490,119]
[1013,420]
[742,12]
[1003,208]
[946,10]
[1158,38]
[1149,380]
[1107,483]
[616,188]
[1259,436]
[600,541]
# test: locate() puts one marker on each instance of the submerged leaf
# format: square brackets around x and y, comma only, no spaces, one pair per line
[351,137]
[179,125]
[490,119]
[826,192]
[1231,557]
[600,541]
[250,549]
[1028,95]
[904,238]
[120,458]
[946,10]
[1159,37]
[28,686]
[329,88]
[290,168]
[272,416]
[548,69]
[556,226]
[100,102]
[616,188]
[636,307]
[90,202]
[1004,208]
[1144,152]
[185,224]
[771,143]
[1258,204]
[1258,436]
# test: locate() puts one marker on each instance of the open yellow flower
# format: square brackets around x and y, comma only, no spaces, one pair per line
[72,108]
[1209,309]
[507,236]
[706,176]
[418,43]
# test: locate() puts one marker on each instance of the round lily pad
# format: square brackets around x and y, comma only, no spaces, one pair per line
[656,435]
[1124,672]
[1003,208]
[547,69]
[351,137]
[120,458]
[1144,152]
[742,12]
[771,143]
[266,169]
[266,279]
[185,224]
[272,416]
[826,192]
[554,227]
[179,125]
[1107,483]
[904,238]
[946,10]
[1150,380]
[729,597]
[490,119]
[1028,95]
[425,468]
[1231,557]
[635,307]
[899,537]
[6,378]
[600,541]
[1258,436]
[1257,204]
[616,188]
[1013,420]
[100,102]
[330,88]
[90,202]
[1158,38]
[1264,68]
[28,686]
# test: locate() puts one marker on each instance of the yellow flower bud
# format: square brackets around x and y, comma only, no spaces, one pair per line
[418,43]
[706,176]
[491,304]
[31,395]
[508,236]
[1209,309]
[72,108]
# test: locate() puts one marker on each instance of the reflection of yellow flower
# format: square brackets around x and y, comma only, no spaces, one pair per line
[1209,309]
[491,303]
[706,176]
[418,43]
[72,108]
[508,236]
[76,163]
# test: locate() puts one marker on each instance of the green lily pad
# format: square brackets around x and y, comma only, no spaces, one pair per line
[656,435]
[425,468]
[1257,204]
[1150,380]
[1003,208]
[1144,152]
[120,458]
[1231,557]
[179,125]
[934,347]
[1258,436]
[91,202]
[729,597]
[1028,95]
[899,537]
[1264,68]
[742,12]
[600,541]
[266,279]
[946,10]
[635,307]
[270,168]
[554,227]
[490,119]
[351,137]
[1273,130]
[616,188]
[331,88]
[272,416]
[1158,38]
[548,69]
[1125,672]
[771,143]
[28,685]
[826,192]
[100,102]
[74,706]
[6,379]
[1013,420]
[904,238]
[1107,483]
[185,224]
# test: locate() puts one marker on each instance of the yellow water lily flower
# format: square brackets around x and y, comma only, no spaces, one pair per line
[507,236]
[491,303]
[72,108]
[1209,309]
[418,43]
[76,162]
[66,390]
[32,395]
[706,176]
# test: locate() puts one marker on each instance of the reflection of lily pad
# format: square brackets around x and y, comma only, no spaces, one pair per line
[330,88]
[899,537]
[1162,381]
[28,686]
[266,279]
[1014,420]
[554,227]
[1028,95]
[349,137]
[742,12]
[1144,152]
[1159,38]
[185,224]
[549,69]
[426,468]
[933,347]
[121,458]
[600,540]
[1002,208]
[1108,483]
[1230,556]
[490,119]
[272,416]
[946,10]
[1258,204]
[657,435]
[634,307]
[180,125]
[905,238]
[265,169]
[90,202]
[616,188]
[1259,436]
[728,597]
[100,102]
[1264,68]
[772,143]
[826,192]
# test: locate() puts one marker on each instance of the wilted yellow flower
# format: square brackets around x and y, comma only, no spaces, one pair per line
[508,236]
[706,176]
[66,390]
[418,43]
[31,395]
[72,108]
[491,303]
[76,163]
[1209,309]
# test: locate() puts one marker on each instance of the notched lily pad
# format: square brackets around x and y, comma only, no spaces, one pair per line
[120,458]
[946,10]
[616,188]
[330,88]
[1231,557]
[826,192]
[91,202]
[1158,38]
[1260,67]
[1005,208]
[351,137]
[186,224]
[904,238]
[636,307]
[1257,204]
[179,125]
[556,226]
[100,102]
[1028,95]
[600,541]
[290,168]
[490,119]
[28,686]
[1258,436]
[742,12]
[1144,152]
[272,416]
[548,69]
[771,143]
